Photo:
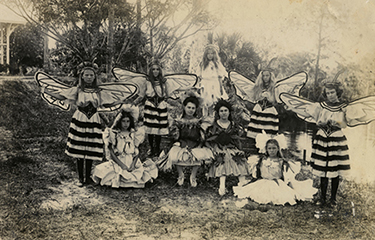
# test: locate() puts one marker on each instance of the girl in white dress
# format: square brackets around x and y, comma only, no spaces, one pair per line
[274,176]
[124,168]
[211,74]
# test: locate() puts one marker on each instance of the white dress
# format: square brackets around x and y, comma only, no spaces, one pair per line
[210,77]
[125,146]
[271,188]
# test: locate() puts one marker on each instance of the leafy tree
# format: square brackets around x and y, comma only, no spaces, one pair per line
[238,55]
[26,48]
[78,26]
[126,34]
[168,22]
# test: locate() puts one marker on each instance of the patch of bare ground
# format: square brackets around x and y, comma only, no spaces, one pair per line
[39,199]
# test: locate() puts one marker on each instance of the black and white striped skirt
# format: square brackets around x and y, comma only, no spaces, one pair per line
[156,118]
[330,154]
[267,120]
[85,137]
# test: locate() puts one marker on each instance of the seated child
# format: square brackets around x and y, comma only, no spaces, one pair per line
[224,138]
[274,176]
[187,151]
[124,168]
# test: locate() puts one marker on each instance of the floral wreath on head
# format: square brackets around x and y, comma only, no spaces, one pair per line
[155,61]
[212,46]
[191,94]
[87,65]
[132,109]
[262,138]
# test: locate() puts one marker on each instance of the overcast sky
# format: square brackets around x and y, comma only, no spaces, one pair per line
[290,24]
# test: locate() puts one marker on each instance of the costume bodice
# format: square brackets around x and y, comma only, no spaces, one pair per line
[154,91]
[271,168]
[189,132]
[82,98]
[224,136]
[211,72]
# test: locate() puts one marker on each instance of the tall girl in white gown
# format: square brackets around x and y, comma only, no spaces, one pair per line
[124,168]
[211,74]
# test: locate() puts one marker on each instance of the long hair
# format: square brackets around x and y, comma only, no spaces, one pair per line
[260,87]
[274,141]
[125,114]
[192,99]
[81,70]
[215,60]
[159,78]
[82,84]
[223,103]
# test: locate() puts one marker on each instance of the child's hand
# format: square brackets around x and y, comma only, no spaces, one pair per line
[131,168]
[265,95]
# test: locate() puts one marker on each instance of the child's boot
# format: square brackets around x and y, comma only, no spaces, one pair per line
[80,172]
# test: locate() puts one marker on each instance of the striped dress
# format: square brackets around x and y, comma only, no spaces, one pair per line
[155,111]
[85,133]
[330,153]
[263,118]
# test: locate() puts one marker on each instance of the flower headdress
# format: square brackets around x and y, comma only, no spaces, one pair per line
[133,110]
[213,47]
[155,61]
[262,138]
[87,65]
[191,94]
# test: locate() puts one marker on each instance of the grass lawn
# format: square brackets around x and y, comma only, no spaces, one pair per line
[38,198]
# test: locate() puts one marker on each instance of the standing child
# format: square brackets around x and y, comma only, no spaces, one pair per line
[85,141]
[212,74]
[264,115]
[124,168]
[274,176]
[188,151]
[155,111]
[224,139]
[330,153]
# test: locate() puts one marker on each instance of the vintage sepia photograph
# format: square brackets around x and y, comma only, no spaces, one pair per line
[187,119]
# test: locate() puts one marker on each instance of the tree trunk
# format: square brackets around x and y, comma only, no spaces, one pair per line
[320,40]
[139,19]
[110,43]
[46,54]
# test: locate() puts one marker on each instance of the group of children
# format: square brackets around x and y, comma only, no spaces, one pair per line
[265,178]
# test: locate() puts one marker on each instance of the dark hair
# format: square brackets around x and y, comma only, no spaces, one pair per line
[192,99]
[124,115]
[273,141]
[336,86]
[223,103]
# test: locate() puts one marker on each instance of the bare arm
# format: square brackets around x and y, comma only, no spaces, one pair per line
[132,166]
